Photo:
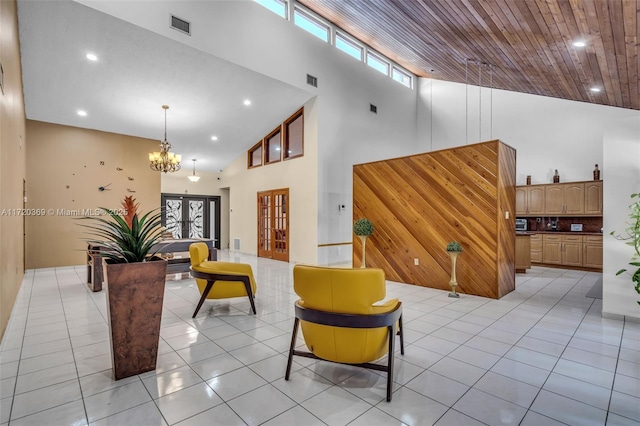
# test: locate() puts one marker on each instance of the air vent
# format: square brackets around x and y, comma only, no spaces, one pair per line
[312,81]
[180,25]
[373,108]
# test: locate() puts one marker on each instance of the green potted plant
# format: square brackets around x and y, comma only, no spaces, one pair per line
[135,284]
[632,236]
[363,228]
[454,249]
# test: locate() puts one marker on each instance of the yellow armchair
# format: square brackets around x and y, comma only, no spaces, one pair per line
[339,320]
[230,279]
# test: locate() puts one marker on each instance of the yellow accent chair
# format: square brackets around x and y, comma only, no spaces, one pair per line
[230,279]
[340,321]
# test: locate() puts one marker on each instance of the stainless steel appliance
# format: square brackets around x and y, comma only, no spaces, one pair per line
[521,224]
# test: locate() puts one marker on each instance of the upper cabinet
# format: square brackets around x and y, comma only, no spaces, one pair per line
[560,199]
[530,200]
[566,198]
[593,198]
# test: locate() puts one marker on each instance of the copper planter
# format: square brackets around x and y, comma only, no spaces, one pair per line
[135,293]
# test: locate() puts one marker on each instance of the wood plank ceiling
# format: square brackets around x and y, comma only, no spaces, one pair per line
[527,43]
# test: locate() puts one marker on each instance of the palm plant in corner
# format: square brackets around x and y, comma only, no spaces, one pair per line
[363,228]
[633,239]
[454,249]
[135,284]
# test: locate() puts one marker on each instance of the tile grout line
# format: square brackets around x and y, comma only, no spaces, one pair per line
[15,385]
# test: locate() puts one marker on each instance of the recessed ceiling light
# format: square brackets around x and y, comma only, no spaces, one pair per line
[92,57]
[247,102]
[595,89]
[82,113]
[214,138]
[579,43]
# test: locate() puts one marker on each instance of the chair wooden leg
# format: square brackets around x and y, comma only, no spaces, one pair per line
[390,358]
[205,293]
[247,286]
[294,336]
[401,335]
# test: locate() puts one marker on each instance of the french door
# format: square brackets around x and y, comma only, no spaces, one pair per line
[273,224]
[192,216]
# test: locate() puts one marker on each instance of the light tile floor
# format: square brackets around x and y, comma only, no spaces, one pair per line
[541,355]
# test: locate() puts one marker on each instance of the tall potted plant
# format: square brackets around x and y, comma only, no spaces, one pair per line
[632,236]
[454,249]
[135,284]
[363,228]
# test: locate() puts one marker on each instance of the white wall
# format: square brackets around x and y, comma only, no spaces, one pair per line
[548,133]
[299,175]
[245,33]
[209,184]
[622,156]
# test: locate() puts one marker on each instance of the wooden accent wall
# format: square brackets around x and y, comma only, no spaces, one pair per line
[420,203]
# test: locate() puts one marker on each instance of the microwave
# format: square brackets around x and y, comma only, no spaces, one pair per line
[521,224]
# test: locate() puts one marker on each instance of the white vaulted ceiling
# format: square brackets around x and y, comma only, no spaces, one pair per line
[138,71]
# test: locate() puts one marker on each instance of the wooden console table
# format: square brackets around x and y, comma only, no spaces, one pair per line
[176,265]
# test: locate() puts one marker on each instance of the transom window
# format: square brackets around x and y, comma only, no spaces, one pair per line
[294,135]
[272,147]
[401,77]
[310,24]
[349,47]
[319,27]
[279,7]
[377,63]
[285,142]
[254,157]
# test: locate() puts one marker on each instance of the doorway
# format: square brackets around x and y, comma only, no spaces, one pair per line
[273,224]
[192,216]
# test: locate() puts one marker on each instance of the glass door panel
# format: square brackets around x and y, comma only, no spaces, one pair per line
[196,218]
[173,217]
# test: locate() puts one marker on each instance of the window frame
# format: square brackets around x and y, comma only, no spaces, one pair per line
[401,71]
[378,57]
[346,38]
[314,19]
[250,164]
[285,135]
[285,4]
[265,148]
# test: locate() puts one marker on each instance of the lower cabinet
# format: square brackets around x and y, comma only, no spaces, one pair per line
[523,253]
[551,249]
[571,249]
[592,251]
[567,250]
[536,248]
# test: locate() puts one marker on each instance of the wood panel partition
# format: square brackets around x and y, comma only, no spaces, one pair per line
[420,203]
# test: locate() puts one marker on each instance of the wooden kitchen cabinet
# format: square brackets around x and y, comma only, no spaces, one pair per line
[521,200]
[592,251]
[562,250]
[523,253]
[536,248]
[564,199]
[571,250]
[560,199]
[551,249]
[593,198]
[530,200]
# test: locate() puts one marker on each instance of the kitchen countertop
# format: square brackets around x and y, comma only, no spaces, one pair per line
[557,233]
